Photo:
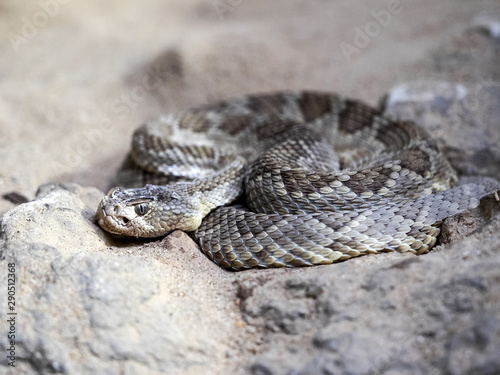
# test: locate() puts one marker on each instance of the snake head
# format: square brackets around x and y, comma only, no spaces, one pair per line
[151,211]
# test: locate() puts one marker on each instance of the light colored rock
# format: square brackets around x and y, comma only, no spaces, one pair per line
[59,219]
[439,95]
[87,307]
[488,24]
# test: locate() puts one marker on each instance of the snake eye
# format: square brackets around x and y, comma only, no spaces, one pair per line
[141,209]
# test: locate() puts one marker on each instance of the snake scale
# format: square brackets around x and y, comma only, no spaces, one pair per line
[288,179]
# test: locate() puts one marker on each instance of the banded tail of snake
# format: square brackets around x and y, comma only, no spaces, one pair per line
[323,179]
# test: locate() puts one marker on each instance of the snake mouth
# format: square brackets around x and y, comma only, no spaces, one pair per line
[113,217]
[115,225]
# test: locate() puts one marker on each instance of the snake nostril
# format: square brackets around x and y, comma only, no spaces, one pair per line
[116,209]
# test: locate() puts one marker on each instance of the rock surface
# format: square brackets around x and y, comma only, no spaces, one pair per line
[88,302]
[122,306]
[93,304]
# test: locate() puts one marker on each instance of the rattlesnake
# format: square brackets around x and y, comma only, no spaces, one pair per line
[323,179]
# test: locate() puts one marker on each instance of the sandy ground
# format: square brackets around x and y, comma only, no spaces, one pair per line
[78,76]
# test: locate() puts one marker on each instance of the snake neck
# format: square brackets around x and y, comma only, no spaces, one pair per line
[196,199]
[184,205]
[219,189]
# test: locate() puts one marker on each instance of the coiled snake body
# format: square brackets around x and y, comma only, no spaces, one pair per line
[323,179]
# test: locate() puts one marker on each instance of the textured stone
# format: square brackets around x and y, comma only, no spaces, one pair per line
[88,303]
